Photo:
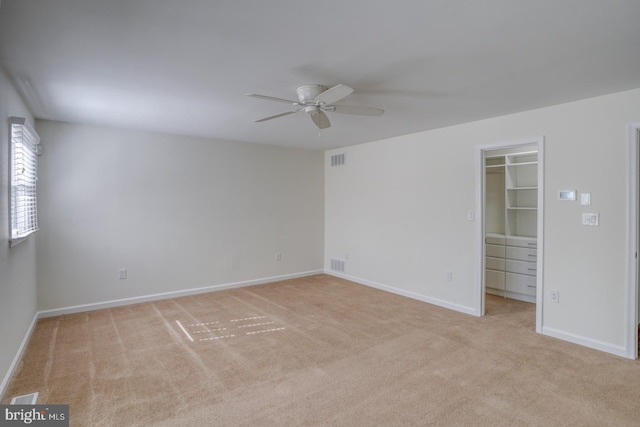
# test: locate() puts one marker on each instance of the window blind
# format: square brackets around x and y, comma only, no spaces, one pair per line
[24,177]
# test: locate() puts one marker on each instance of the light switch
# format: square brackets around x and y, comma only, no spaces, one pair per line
[585,199]
[590,219]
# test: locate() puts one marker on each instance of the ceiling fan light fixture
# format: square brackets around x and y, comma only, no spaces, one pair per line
[311,109]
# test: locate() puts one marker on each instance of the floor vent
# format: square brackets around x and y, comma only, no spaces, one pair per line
[26,399]
[337,160]
[337,265]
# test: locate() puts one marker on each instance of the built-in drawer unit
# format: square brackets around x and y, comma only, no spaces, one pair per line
[521,284]
[494,263]
[521,254]
[496,251]
[494,279]
[511,266]
[494,239]
[521,267]
[525,242]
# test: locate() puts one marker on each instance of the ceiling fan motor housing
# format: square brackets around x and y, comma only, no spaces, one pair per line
[308,93]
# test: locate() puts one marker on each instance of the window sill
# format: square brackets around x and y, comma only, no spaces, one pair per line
[17,241]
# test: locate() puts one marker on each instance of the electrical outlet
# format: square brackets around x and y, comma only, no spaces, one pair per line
[555,296]
[449,276]
[123,273]
[592,219]
[278,256]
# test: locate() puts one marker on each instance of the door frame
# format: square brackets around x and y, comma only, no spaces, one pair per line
[480,208]
[633,136]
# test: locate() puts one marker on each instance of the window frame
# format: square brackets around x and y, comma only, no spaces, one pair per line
[23,201]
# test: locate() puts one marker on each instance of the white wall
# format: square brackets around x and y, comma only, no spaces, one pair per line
[17,264]
[397,210]
[178,213]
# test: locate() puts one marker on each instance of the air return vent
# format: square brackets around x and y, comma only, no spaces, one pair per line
[337,160]
[26,399]
[337,265]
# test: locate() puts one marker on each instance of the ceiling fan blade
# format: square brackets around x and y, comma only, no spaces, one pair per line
[286,113]
[333,94]
[353,109]
[271,98]
[320,119]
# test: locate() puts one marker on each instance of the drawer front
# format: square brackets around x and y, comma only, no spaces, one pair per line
[521,284]
[523,242]
[494,240]
[494,263]
[494,279]
[521,254]
[496,251]
[521,267]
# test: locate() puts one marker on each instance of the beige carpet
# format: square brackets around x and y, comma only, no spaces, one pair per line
[320,351]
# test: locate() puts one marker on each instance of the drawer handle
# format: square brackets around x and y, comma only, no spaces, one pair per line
[534,256]
[531,286]
[531,269]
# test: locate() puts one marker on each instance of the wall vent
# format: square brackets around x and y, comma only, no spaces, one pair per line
[337,160]
[26,399]
[337,265]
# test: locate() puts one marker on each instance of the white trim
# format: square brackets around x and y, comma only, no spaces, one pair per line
[174,294]
[480,204]
[586,342]
[23,213]
[405,293]
[633,218]
[540,238]
[16,360]
[479,294]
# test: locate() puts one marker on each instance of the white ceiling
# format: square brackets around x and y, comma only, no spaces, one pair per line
[183,66]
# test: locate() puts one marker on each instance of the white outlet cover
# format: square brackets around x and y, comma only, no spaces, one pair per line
[585,199]
[592,219]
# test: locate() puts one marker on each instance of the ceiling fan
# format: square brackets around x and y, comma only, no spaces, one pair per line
[316,99]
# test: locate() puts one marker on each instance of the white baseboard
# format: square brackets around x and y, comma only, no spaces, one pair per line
[173,294]
[587,342]
[572,338]
[405,293]
[18,357]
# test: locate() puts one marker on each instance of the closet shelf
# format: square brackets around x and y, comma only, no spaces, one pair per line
[522,164]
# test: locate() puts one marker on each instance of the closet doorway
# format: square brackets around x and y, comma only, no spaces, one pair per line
[512,223]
